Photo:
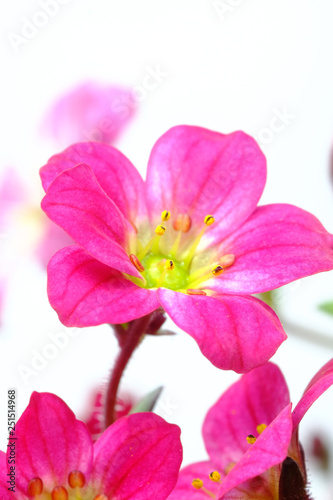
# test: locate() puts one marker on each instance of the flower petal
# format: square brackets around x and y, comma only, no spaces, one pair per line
[85,292]
[197,172]
[90,111]
[255,399]
[233,332]
[114,172]
[270,449]
[184,489]
[50,443]
[76,202]
[279,243]
[318,385]
[138,457]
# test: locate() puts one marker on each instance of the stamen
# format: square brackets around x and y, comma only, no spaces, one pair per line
[136,263]
[160,230]
[35,487]
[261,428]
[182,224]
[59,493]
[215,476]
[208,220]
[165,215]
[197,483]
[152,243]
[168,266]
[216,271]
[101,497]
[76,479]
[191,291]
[251,439]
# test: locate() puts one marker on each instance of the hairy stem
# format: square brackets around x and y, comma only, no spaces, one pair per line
[131,339]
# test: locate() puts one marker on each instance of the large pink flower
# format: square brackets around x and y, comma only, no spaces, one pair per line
[138,457]
[200,271]
[257,408]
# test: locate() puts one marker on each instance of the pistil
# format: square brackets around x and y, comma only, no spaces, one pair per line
[168,266]
[208,220]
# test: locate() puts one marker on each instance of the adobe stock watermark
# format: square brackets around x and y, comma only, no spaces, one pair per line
[224,7]
[31,26]
[40,358]
[121,108]
[280,120]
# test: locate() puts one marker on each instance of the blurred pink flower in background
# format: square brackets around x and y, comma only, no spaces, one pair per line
[139,456]
[218,247]
[90,112]
[249,433]
[94,415]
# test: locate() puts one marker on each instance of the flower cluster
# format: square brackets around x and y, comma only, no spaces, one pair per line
[190,242]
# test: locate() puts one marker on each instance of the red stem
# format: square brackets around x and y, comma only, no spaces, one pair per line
[132,338]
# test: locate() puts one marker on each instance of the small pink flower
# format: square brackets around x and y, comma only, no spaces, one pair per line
[90,112]
[212,248]
[138,457]
[249,433]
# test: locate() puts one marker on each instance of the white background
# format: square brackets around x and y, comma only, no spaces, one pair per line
[224,71]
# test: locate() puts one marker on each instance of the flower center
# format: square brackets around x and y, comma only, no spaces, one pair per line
[76,489]
[168,266]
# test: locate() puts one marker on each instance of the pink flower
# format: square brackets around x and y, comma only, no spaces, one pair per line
[200,271]
[95,418]
[249,433]
[138,457]
[92,112]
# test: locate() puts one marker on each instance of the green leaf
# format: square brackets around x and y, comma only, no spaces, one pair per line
[327,307]
[147,403]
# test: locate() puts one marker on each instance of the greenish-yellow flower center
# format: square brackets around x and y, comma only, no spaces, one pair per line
[166,266]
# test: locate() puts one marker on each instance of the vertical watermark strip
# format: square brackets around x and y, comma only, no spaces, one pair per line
[11,446]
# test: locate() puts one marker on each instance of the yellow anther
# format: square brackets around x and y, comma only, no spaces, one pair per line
[215,476]
[135,261]
[35,487]
[217,270]
[261,428]
[169,265]
[101,497]
[165,215]
[160,230]
[197,483]
[251,439]
[209,220]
